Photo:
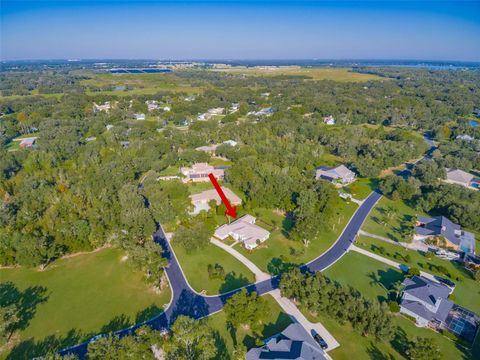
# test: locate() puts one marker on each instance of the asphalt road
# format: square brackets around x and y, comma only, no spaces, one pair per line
[187,302]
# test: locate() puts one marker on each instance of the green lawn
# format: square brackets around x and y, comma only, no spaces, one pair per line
[467,291]
[195,266]
[362,187]
[275,321]
[393,227]
[78,297]
[372,278]
[278,252]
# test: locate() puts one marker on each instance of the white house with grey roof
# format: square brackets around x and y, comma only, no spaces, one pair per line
[244,230]
[426,300]
[339,175]
[292,343]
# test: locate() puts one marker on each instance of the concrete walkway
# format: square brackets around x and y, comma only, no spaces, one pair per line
[411,246]
[401,267]
[259,274]
[292,310]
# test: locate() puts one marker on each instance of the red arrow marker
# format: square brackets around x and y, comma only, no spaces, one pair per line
[231,211]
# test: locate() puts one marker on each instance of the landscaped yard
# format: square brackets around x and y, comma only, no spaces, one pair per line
[467,291]
[390,223]
[362,187]
[195,267]
[275,321]
[278,252]
[372,279]
[78,297]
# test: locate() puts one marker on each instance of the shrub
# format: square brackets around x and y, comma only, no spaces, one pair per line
[394,306]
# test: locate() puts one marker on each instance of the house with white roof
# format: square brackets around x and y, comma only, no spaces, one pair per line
[329,120]
[139,117]
[244,230]
[339,175]
[105,107]
[201,200]
[152,105]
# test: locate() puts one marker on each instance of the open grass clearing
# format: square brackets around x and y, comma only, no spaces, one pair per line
[79,297]
[314,73]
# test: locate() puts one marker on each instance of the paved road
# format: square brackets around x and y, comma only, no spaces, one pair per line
[187,302]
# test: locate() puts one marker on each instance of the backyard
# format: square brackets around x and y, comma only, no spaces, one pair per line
[78,297]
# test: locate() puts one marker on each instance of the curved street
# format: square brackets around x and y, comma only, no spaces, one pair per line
[185,301]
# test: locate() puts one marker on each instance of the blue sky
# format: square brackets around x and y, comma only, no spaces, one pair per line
[427,30]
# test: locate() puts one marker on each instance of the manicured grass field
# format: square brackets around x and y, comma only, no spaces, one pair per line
[393,228]
[195,267]
[361,188]
[78,297]
[372,279]
[278,252]
[467,291]
[317,73]
[275,321]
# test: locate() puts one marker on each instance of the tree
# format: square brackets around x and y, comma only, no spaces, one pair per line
[244,309]
[8,322]
[413,271]
[423,349]
[191,339]
[193,235]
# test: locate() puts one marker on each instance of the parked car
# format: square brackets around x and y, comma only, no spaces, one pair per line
[320,341]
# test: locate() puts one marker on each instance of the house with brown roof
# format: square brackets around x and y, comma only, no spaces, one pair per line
[201,200]
[199,172]
[460,177]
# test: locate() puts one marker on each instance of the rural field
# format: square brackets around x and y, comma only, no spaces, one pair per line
[76,298]
[334,74]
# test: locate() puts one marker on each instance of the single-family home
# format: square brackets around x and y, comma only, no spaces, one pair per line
[201,201]
[244,230]
[28,142]
[199,172]
[152,105]
[104,107]
[139,117]
[465,137]
[234,108]
[91,138]
[425,300]
[210,149]
[476,112]
[230,142]
[292,343]
[427,228]
[329,120]
[125,144]
[167,108]
[189,98]
[339,175]
[262,112]
[108,126]
[460,177]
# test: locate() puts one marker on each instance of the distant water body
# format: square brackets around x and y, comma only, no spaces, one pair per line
[434,65]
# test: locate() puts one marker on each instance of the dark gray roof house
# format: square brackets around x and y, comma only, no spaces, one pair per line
[292,343]
[440,226]
[426,300]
